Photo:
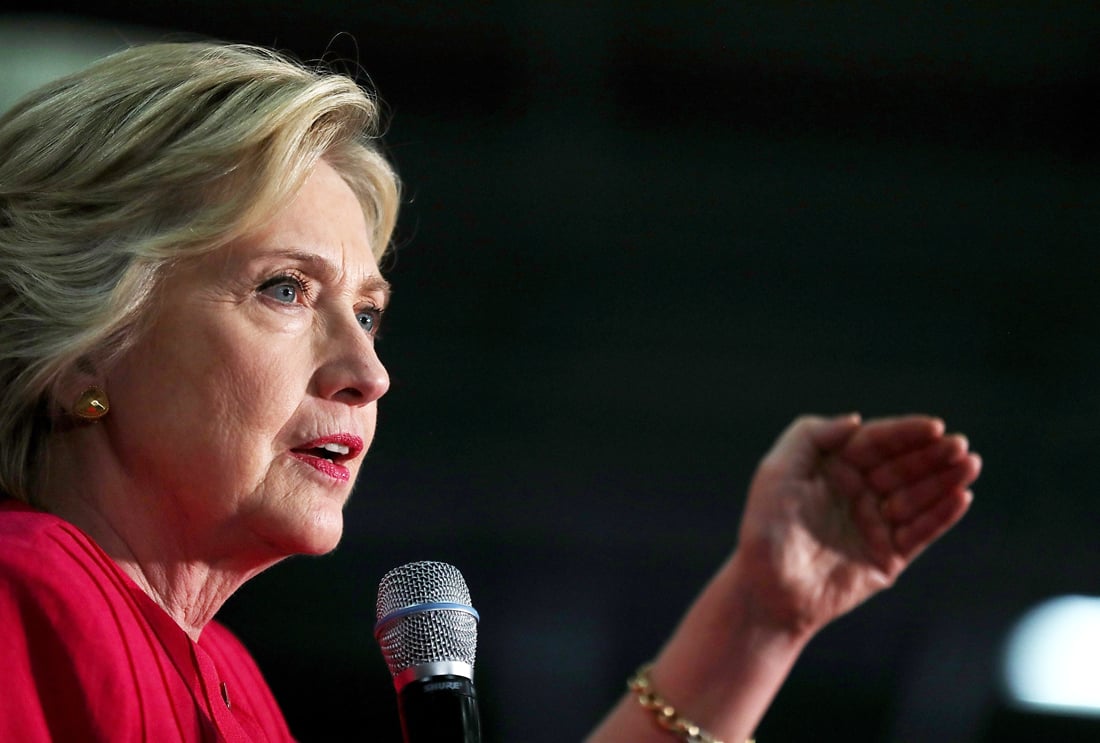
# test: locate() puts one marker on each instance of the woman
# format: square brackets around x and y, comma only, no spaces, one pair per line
[189,296]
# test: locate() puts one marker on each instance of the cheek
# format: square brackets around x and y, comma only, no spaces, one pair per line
[254,388]
[213,387]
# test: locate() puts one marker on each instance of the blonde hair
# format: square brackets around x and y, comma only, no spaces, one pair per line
[149,156]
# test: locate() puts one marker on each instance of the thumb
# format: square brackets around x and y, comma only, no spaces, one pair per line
[799,446]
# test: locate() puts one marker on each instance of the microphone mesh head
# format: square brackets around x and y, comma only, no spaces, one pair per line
[432,635]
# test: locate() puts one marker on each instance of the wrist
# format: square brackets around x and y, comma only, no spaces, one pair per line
[765,605]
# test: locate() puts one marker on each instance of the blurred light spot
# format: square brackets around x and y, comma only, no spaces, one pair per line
[37,49]
[1052,659]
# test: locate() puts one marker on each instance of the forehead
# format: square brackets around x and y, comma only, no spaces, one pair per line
[323,224]
[325,216]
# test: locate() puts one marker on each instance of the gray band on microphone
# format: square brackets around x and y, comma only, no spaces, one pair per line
[382,624]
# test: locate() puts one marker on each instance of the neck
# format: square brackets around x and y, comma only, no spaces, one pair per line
[183,566]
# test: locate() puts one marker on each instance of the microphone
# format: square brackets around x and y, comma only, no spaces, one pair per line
[427,631]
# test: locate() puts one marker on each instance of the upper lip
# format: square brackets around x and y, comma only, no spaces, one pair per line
[353,443]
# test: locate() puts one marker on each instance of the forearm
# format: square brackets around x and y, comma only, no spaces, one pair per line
[720,670]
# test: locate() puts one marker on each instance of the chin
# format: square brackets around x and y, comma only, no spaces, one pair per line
[324,534]
[308,534]
[321,546]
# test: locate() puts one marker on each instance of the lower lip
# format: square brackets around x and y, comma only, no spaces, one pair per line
[336,471]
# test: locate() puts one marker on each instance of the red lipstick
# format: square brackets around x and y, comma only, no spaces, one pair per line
[327,454]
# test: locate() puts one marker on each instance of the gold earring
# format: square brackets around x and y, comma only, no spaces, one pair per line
[91,405]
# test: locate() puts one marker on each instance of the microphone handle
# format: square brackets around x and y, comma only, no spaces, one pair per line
[439,709]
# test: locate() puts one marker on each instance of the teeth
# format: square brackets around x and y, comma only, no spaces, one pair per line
[336,448]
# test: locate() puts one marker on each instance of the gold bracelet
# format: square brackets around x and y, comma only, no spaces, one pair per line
[663,712]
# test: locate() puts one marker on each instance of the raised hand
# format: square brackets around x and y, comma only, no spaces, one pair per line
[839,508]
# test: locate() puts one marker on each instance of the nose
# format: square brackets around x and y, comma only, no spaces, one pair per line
[351,371]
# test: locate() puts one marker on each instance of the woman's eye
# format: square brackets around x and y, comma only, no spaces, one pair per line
[370,319]
[284,289]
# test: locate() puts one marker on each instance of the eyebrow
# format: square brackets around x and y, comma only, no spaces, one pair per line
[323,266]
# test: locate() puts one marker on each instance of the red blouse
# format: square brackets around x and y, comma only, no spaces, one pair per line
[86,655]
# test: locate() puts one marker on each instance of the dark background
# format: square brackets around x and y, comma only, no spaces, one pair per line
[638,239]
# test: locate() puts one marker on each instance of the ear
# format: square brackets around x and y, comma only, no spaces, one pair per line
[80,392]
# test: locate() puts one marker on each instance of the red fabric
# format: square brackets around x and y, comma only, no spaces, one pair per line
[86,655]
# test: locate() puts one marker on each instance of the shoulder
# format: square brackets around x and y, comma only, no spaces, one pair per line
[44,556]
[60,593]
[56,609]
[21,524]
[57,585]
[33,543]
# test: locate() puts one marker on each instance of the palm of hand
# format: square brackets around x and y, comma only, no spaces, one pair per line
[838,509]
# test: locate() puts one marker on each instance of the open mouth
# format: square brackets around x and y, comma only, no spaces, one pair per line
[329,453]
[338,447]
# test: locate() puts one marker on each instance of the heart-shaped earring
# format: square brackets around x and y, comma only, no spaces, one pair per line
[91,405]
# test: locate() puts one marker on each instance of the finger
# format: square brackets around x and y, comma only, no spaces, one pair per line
[908,503]
[829,434]
[800,445]
[880,440]
[913,466]
[911,538]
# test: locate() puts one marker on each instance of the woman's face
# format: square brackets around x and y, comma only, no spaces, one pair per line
[249,405]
